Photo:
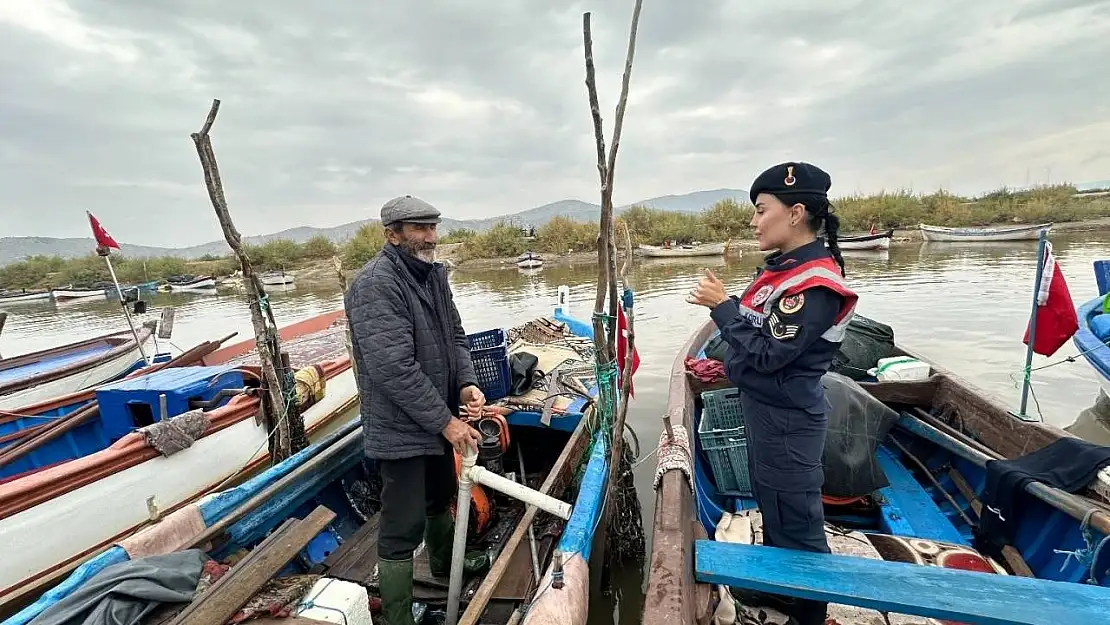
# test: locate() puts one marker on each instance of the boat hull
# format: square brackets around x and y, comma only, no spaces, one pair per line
[277,280]
[1015,233]
[24,298]
[201,284]
[1093,349]
[130,473]
[73,294]
[880,241]
[655,251]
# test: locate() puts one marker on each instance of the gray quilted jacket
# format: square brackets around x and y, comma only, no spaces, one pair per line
[411,354]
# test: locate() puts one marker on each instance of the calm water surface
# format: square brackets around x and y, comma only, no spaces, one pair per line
[963,306]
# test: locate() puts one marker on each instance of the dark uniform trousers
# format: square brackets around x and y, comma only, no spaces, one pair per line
[784,461]
[412,489]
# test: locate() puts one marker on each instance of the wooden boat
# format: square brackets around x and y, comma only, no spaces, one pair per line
[1093,337]
[76,293]
[190,283]
[1025,232]
[24,296]
[41,375]
[276,278]
[866,241]
[679,251]
[341,540]
[906,535]
[529,260]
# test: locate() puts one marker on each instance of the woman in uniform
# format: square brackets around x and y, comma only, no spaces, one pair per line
[782,334]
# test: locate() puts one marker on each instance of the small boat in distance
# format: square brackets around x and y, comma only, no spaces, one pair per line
[1024,232]
[23,296]
[276,278]
[529,260]
[190,283]
[42,375]
[866,241]
[75,293]
[680,251]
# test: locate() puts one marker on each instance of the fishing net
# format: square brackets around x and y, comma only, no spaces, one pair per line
[864,344]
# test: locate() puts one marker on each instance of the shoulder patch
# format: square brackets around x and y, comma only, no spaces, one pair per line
[792,303]
[779,330]
[762,294]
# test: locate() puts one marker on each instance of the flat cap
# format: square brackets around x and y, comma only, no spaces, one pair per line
[409,209]
[791,178]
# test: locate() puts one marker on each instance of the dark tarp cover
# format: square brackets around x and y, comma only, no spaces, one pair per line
[125,593]
[864,344]
[857,424]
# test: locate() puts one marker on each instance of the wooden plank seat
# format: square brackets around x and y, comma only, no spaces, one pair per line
[901,588]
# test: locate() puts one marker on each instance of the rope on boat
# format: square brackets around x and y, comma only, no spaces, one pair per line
[1086,557]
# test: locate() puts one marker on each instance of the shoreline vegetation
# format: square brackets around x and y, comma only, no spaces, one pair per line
[563,241]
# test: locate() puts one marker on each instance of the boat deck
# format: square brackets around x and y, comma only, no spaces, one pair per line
[327,344]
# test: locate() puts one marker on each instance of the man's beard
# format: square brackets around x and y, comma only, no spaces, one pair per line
[418,249]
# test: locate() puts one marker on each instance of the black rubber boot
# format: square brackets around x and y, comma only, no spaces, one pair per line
[439,538]
[395,587]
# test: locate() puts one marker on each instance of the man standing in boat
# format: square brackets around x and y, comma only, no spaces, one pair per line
[414,377]
[782,334]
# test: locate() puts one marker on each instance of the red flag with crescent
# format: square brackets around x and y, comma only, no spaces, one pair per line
[103,239]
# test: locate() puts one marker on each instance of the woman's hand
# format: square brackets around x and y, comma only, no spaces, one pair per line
[709,292]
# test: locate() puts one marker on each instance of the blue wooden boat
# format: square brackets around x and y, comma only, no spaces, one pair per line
[42,375]
[332,484]
[894,549]
[1093,337]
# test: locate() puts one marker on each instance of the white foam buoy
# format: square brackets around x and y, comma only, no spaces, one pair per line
[335,601]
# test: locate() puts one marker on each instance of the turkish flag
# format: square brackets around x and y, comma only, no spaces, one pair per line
[622,349]
[1056,317]
[103,239]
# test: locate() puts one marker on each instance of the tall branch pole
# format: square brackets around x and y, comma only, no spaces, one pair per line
[607,278]
[265,337]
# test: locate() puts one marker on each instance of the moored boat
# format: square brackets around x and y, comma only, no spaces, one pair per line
[38,376]
[1025,232]
[678,251]
[1092,339]
[74,293]
[529,260]
[276,278]
[190,283]
[24,296]
[866,241]
[545,440]
[926,441]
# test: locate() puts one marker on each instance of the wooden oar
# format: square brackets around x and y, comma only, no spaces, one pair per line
[1070,504]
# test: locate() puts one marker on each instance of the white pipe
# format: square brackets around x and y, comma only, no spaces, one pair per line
[517,491]
[462,522]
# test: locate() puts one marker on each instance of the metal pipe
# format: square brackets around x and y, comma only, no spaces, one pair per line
[536,573]
[1042,244]
[462,523]
[547,503]
[1067,503]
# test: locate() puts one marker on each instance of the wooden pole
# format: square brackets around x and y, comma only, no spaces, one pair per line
[265,335]
[607,278]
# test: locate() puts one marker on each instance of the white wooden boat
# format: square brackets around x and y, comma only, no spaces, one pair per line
[24,296]
[276,278]
[71,294]
[38,376]
[1024,232]
[679,251]
[866,241]
[529,260]
[190,283]
[86,505]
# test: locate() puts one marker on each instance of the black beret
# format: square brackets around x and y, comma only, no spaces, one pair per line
[791,179]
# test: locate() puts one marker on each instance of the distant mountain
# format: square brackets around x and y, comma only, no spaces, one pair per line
[13,249]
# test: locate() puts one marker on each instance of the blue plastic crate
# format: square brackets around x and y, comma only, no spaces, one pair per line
[490,354]
[724,441]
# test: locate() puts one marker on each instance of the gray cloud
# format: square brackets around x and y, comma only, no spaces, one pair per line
[330,109]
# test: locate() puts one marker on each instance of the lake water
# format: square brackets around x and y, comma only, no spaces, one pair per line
[963,306]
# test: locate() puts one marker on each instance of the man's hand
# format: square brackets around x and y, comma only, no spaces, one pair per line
[471,400]
[461,435]
[709,292]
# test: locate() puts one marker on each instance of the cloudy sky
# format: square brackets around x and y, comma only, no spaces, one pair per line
[330,108]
